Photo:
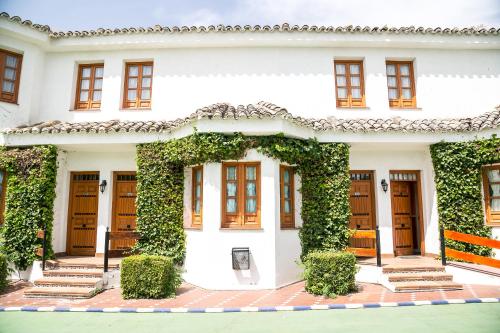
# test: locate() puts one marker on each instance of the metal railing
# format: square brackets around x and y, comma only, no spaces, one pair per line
[115,235]
[367,251]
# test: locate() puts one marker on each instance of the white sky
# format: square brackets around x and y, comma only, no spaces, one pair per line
[91,14]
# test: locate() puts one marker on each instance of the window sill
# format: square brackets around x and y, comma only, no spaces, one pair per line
[353,108]
[84,110]
[494,225]
[405,109]
[240,229]
[295,228]
[135,110]
[200,228]
[9,102]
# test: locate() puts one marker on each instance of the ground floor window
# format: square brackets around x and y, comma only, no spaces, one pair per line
[491,183]
[241,195]
[3,190]
[197,197]
[287,189]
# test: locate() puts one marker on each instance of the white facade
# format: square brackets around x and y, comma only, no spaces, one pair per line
[456,76]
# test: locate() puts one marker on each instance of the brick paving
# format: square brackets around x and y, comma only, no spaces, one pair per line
[190,296]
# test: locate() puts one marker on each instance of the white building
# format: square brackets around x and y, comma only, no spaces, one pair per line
[388,93]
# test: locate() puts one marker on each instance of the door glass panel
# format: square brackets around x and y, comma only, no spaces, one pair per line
[341,81]
[10,74]
[251,189]
[146,82]
[405,82]
[231,189]
[404,69]
[250,173]
[391,81]
[287,206]
[406,93]
[231,173]
[340,69]
[495,205]
[197,206]
[147,70]
[98,84]
[132,83]
[198,191]
[391,70]
[99,71]
[342,92]
[86,72]
[286,176]
[286,191]
[84,96]
[96,96]
[133,71]
[251,205]
[8,86]
[198,176]
[355,81]
[131,95]
[11,61]
[145,94]
[393,94]
[85,84]
[354,69]
[356,93]
[231,205]
[494,175]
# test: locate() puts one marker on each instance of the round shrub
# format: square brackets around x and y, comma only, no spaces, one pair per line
[149,276]
[330,273]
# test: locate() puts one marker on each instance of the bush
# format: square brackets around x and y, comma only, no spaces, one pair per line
[4,272]
[330,273]
[149,276]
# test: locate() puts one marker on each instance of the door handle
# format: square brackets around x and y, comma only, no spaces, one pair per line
[358,226]
[84,225]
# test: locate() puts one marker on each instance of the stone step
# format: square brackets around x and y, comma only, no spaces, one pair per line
[411,268]
[60,292]
[54,264]
[419,276]
[74,272]
[409,286]
[69,281]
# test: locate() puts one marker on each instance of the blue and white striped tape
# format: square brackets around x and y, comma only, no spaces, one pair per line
[247,309]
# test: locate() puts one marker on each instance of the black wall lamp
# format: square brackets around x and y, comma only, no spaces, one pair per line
[384,185]
[103,184]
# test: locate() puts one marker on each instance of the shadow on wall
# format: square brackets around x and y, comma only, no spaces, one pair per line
[248,277]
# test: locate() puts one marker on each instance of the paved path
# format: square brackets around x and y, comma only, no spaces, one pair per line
[477,318]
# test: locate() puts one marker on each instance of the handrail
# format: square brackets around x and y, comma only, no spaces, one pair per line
[471,239]
[115,235]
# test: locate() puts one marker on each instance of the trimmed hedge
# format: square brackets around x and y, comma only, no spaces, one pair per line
[4,272]
[457,168]
[323,167]
[29,202]
[149,276]
[330,273]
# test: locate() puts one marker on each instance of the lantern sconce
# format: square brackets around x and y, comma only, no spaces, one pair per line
[103,184]
[384,185]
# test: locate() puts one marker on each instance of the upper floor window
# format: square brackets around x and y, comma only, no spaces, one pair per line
[491,184]
[89,87]
[241,195]
[3,190]
[287,197]
[138,83]
[10,72]
[197,197]
[401,84]
[349,83]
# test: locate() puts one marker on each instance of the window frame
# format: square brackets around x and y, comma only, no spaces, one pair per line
[138,103]
[240,219]
[89,104]
[196,219]
[349,102]
[3,195]
[400,102]
[486,195]
[14,96]
[287,220]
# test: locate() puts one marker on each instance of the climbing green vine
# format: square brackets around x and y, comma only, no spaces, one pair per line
[323,168]
[31,182]
[457,167]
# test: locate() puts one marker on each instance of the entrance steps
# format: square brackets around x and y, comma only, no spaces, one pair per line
[69,279]
[411,278]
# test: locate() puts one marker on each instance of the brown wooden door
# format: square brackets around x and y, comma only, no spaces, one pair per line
[362,206]
[124,207]
[82,224]
[402,217]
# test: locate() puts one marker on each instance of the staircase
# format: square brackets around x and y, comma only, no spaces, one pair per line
[69,279]
[402,277]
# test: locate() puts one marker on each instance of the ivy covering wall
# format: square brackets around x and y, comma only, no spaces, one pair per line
[323,167]
[31,182]
[457,168]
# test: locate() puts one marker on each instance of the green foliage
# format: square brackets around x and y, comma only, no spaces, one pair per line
[149,276]
[457,168]
[160,172]
[4,272]
[330,273]
[31,182]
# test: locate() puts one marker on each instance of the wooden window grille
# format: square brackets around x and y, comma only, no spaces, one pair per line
[10,74]
[491,185]
[3,192]
[138,85]
[89,87]
[349,82]
[197,197]
[401,84]
[287,197]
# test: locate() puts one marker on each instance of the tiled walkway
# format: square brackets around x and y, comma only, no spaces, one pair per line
[190,296]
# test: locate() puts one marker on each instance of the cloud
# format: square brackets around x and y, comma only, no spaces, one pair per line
[202,16]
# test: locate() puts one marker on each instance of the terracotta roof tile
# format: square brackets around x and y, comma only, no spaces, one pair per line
[265,110]
[285,27]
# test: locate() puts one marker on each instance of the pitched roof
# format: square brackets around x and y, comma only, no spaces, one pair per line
[285,27]
[264,110]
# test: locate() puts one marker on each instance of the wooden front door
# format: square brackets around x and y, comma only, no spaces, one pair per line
[407,226]
[124,207]
[362,202]
[82,221]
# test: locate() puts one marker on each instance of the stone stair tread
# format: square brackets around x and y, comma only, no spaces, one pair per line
[426,285]
[60,291]
[68,280]
[417,275]
[73,264]
[412,268]
[73,272]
